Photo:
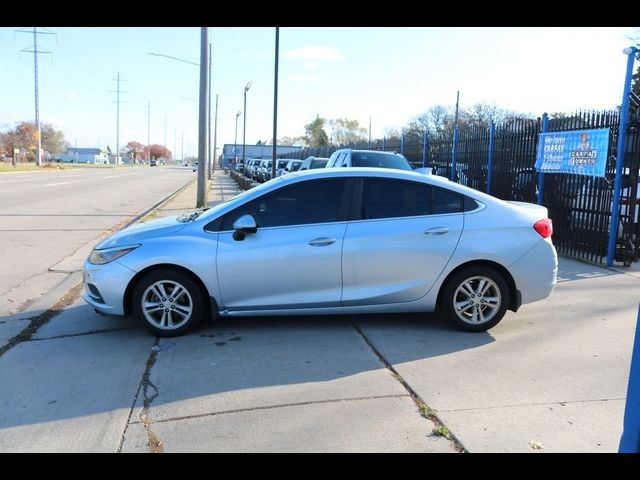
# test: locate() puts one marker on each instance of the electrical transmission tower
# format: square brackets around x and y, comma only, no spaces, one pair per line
[35,52]
[117,91]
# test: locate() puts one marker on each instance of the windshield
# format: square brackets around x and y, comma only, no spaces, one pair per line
[212,211]
[319,163]
[379,159]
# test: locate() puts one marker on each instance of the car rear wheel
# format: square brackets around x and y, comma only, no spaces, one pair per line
[168,302]
[475,299]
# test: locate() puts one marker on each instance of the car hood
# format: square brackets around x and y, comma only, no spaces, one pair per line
[139,232]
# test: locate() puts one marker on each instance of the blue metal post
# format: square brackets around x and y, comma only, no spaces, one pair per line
[492,134]
[454,153]
[622,145]
[402,142]
[425,148]
[545,127]
[630,440]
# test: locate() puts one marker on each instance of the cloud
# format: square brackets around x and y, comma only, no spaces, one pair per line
[312,53]
[305,78]
[71,96]
[311,65]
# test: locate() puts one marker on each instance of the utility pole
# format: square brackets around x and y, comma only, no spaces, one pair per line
[369,133]
[37,96]
[201,200]
[175,143]
[215,136]
[165,131]
[210,162]
[182,147]
[275,107]
[117,91]
[149,130]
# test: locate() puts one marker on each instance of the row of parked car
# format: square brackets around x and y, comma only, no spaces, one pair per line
[260,170]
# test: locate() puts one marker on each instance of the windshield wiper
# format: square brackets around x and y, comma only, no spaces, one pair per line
[191,216]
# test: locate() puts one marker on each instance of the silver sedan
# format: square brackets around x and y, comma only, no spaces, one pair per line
[330,241]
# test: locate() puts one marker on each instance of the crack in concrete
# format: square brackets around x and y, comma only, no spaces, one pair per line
[155,444]
[38,321]
[280,405]
[423,408]
[541,404]
[90,332]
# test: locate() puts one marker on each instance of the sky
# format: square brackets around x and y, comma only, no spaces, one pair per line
[386,74]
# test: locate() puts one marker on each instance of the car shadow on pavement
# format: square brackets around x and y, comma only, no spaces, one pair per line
[102,369]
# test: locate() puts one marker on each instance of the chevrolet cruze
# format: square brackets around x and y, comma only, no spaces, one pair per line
[330,241]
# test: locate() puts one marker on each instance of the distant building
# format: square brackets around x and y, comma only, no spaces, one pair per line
[85,155]
[231,152]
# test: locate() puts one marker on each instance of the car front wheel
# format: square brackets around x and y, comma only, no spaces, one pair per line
[168,302]
[475,298]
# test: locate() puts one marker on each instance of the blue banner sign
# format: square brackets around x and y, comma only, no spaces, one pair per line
[583,152]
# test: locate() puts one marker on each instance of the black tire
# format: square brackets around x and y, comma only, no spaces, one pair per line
[178,315]
[464,285]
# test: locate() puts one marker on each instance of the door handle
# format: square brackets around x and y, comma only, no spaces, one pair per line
[322,242]
[436,231]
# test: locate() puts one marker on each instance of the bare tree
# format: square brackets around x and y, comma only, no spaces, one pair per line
[347,132]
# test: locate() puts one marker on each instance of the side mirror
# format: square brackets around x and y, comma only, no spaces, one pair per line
[245,224]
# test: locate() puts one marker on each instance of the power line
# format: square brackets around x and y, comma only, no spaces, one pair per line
[85,61]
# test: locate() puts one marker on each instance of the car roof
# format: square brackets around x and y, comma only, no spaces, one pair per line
[384,152]
[373,172]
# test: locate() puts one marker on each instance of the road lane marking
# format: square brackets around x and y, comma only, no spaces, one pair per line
[54,184]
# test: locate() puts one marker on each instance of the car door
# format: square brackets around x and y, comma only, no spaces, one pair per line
[294,258]
[400,241]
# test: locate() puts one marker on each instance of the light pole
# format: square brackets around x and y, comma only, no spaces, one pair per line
[203,149]
[244,127]
[174,58]
[215,137]
[210,162]
[275,106]
[235,142]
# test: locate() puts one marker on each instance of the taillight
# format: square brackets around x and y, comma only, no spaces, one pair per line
[544,227]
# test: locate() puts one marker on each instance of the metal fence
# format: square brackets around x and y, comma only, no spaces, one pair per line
[500,160]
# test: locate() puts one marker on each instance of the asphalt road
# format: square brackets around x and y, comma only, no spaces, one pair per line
[46,216]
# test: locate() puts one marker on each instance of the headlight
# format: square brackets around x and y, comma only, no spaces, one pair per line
[100,257]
